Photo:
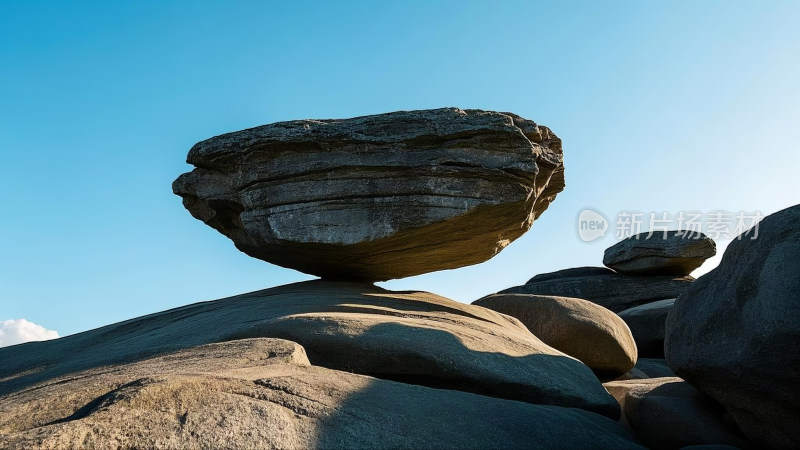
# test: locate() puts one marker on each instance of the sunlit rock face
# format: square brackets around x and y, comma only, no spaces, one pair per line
[376,197]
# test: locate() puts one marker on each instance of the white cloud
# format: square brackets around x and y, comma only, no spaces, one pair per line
[20,330]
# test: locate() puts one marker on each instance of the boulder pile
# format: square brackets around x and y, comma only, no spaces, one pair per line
[571,359]
[645,273]
[338,362]
[732,369]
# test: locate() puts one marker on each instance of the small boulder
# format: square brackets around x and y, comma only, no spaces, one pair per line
[675,253]
[577,327]
[647,324]
[668,413]
[604,287]
[735,334]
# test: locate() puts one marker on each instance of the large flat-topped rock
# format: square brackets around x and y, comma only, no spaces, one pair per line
[675,253]
[376,197]
[605,287]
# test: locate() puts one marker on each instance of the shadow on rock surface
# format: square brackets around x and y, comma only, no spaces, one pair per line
[415,337]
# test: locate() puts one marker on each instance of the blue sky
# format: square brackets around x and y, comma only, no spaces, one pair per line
[662,106]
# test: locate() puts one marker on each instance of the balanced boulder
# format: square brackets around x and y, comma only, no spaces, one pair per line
[647,324]
[675,253]
[735,334]
[413,337]
[262,393]
[604,287]
[579,328]
[376,197]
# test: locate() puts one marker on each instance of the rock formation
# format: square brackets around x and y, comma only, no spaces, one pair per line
[579,328]
[647,324]
[663,410]
[414,337]
[262,393]
[675,253]
[340,362]
[377,197]
[605,287]
[668,413]
[735,334]
[647,275]
[353,201]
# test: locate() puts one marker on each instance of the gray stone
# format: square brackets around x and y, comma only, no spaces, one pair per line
[648,368]
[376,197]
[668,413]
[414,337]
[647,323]
[654,367]
[633,374]
[604,287]
[262,393]
[575,272]
[735,335]
[675,253]
[577,327]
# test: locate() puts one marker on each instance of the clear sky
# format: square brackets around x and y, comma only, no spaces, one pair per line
[662,106]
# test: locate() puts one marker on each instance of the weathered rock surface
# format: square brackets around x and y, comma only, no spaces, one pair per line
[735,335]
[633,374]
[654,367]
[647,323]
[376,197]
[648,368]
[668,413]
[579,328]
[675,253]
[261,393]
[415,337]
[604,287]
